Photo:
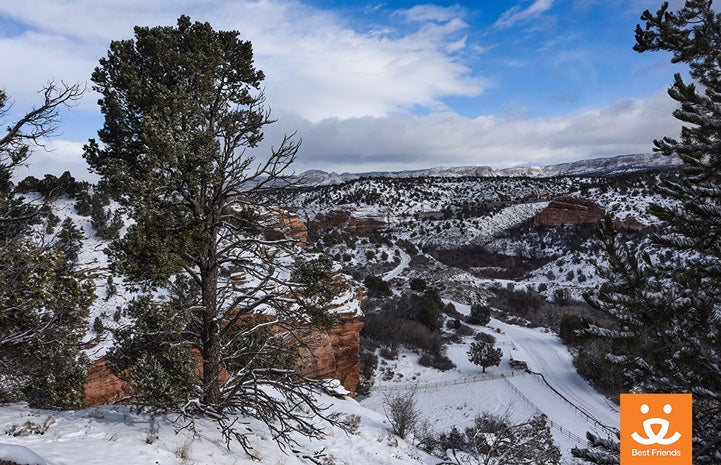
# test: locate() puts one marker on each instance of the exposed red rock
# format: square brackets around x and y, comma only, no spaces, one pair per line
[365,225]
[569,211]
[331,220]
[101,386]
[326,354]
[628,224]
[334,354]
[294,227]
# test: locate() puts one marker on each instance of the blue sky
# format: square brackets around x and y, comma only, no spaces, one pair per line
[386,85]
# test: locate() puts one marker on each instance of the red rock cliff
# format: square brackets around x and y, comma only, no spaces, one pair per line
[569,211]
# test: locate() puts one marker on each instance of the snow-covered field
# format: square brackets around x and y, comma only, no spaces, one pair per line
[455,397]
[113,435]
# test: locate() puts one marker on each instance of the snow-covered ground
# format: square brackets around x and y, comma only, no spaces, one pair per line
[455,397]
[113,435]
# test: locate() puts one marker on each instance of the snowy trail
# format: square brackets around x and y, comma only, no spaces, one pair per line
[395,272]
[545,354]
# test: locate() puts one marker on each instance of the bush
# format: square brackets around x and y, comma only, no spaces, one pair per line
[377,287]
[402,413]
[485,337]
[418,284]
[464,330]
[437,361]
[480,315]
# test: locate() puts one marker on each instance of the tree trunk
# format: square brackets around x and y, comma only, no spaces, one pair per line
[210,330]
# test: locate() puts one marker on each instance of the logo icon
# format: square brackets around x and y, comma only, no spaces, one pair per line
[663,424]
[656,428]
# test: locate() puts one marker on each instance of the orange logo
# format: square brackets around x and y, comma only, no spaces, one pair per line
[655,429]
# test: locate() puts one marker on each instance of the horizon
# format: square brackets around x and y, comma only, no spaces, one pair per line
[386,86]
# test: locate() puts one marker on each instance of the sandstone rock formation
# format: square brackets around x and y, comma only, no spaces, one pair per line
[355,222]
[331,220]
[326,354]
[569,211]
[365,224]
[628,224]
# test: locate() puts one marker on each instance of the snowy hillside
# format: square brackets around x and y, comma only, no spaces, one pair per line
[595,167]
[472,239]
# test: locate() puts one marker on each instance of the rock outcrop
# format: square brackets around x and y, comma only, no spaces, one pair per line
[334,354]
[101,386]
[628,224]
[325,354]
[569,211]
[332,220]
[365,224]
[355,222]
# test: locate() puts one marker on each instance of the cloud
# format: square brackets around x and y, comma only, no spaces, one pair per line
[405,141]
[317,67]
[518,14]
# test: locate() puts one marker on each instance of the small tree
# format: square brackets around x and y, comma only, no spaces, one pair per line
[485,354]
[495,440]
[42,303]
[480,315]
[402,412]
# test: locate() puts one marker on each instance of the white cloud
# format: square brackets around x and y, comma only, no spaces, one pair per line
[315,65]
[518,14]
[404,141]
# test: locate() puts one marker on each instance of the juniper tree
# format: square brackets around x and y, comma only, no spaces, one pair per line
[496,440]
[485,354]
[184,115]
[43,305]
[669,334]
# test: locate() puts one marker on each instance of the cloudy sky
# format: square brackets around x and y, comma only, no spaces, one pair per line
[385,85]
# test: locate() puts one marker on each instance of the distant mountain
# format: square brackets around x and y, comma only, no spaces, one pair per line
[595,167]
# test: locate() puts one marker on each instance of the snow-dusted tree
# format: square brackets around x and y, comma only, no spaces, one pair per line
[485,354]
[669,334]
[42,303]
[183,119]
[495,440]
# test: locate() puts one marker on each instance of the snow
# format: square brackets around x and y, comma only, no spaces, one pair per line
[395,272]
[21,455]
[455,397]
[115,435]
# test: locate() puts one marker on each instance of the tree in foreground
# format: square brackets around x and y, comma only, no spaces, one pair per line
[496,440]
[669,313]
[485,354]
[43,305]
[184,115]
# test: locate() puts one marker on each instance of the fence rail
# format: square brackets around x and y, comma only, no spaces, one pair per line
[553,425]
[452,382]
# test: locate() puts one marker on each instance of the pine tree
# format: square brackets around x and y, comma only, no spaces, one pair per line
[669,333]
[495,440]
[183,118]
[43,305]
[484,354]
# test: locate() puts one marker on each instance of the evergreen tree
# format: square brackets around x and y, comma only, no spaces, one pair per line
[669,333]
[69,241]
[42,304]
[183,118]
[495,440]
[484,354]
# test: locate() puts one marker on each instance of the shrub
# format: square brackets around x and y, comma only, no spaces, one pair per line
[402,412]
[437,361]
[480,315]
[377,287]
[418,284]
